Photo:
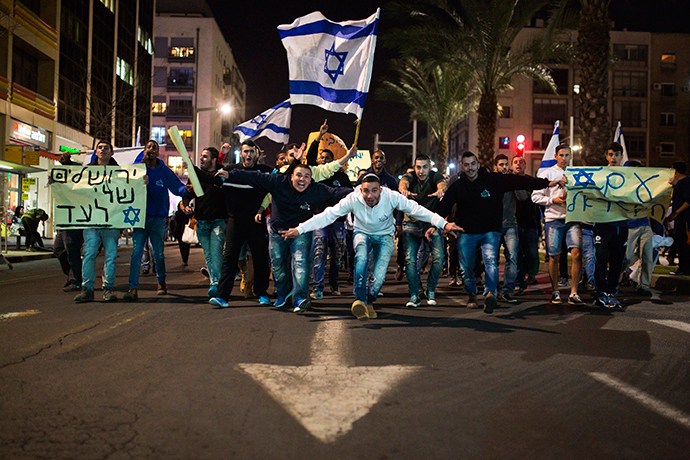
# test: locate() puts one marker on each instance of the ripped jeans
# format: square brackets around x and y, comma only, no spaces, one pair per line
[282,252]
[381,248]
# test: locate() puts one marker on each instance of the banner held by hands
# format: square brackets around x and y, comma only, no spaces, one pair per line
[179,145]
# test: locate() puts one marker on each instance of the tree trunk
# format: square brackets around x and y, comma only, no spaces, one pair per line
[593,58]
[441,159]
[487,114]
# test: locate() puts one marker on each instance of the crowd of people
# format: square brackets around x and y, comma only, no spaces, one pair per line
[301,220]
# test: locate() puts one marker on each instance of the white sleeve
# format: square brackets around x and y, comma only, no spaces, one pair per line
[328,216]
[540,197]
[413,209]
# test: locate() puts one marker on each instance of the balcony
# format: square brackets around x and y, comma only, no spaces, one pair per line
[179,114]
[181,54]
[181,85]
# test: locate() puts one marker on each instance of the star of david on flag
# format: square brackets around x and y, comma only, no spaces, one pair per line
[274,124]
[330,62]
[549,158]
[618,137]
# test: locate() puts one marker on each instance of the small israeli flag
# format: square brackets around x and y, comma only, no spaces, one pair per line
[618,137]
[549,158]
[274,124]
[329,62]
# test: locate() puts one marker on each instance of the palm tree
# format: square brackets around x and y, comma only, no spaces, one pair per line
[438,94]
[479,35]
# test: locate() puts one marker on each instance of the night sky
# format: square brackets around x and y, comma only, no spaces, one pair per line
[250,29]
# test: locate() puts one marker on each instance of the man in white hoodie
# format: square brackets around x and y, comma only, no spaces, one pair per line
[372,206]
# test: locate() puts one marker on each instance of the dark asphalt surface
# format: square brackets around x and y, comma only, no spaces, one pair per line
[162,378]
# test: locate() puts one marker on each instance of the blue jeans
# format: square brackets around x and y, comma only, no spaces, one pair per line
[413,236]
[282,251]
[211,235]
[93,237]
[588,254]
[328,239]
[467,246]
[528,253]
[382,247]
[154,228]
[509,238]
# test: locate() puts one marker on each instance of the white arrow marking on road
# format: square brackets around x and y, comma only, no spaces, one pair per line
[672,323]
[329,395]
[17,314]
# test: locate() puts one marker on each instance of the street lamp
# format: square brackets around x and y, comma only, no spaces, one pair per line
[225,108]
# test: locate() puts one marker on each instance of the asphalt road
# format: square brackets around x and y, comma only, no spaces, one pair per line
[172,378]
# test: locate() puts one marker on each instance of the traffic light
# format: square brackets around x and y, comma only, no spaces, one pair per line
[504,142]
[520,146]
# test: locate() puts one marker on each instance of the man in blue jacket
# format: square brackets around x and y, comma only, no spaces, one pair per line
[160,180]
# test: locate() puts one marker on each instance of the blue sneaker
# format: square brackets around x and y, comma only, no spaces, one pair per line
[281,300]
[218,302]
[301,306]
[212,292]
[264,300]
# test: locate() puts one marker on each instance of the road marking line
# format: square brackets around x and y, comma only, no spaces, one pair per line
[83,339]
[672,323]
[660,407]
[329,395]
[18,314]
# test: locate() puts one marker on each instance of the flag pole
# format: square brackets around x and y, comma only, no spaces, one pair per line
[357,132]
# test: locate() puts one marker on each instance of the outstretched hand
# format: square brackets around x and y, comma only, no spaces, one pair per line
[407,193]
[287,234]
[300,152]
[453,229]
[324,128]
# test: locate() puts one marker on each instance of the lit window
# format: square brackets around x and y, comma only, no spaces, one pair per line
[182,51]
[110,4]
[158,134]
[158,107]
[124,71]
[668,58]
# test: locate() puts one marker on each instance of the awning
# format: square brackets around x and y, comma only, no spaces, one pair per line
[8,166]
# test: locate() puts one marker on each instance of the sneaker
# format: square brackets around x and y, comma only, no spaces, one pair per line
[399,274]
[574,299]
[316,295]
[71,288]
[204,271]
[472,302]
[335,291]
[162,288]
[615,303]
[130,295]
[414,301]
[589,287]
[212,292]
[371,313]
[603,301]
[519,291]
[643,292]
[563,282]
[145,271]
[85,295]
[359,309]
[109,296]
[218,302]
[430,298]
[556,297]
[453,282]
[281,300]
[490,303]
[531,279]
[301,306]
[507,297]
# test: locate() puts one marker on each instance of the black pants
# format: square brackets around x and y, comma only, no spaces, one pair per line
[680,236]
[609,253]
[255,235]
[184,250]
[33,238]
[67,249]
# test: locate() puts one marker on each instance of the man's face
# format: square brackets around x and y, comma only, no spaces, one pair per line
[422,169]
[248,156]
[378,161]
[104,153]
[470,166]
[324,157]
[563,158]
[301,178]
[371,191]
[502,166]
[613,158]
[206,162]
[519,165]
[150,151]
[282,159]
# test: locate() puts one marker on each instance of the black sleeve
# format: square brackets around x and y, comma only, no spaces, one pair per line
[512,182]
[449,199]
[313,153]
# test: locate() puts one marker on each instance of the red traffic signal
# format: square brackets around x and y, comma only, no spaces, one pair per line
[520,146]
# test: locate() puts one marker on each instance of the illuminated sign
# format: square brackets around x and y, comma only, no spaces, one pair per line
[36,136]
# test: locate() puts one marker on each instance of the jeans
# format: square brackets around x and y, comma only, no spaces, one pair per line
[382,247]
[509,237]
[413,236]
[211,235]
[489,244]
[641,238]
[299,250]
[588,255]
[154,228]
[556,230]
[325,240]
[528,253]
[93,238]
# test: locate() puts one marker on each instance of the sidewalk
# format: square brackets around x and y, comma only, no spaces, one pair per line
[14,256]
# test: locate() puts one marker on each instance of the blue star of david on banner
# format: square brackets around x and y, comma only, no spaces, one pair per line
[258,120]
[588,180]
[333,74]
[131,220]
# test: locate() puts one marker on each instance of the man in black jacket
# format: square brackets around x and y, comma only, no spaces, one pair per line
[479,198]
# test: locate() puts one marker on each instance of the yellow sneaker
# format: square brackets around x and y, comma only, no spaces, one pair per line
[371,313]
[359,309]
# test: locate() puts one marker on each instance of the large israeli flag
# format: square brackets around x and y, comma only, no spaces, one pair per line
[274,124]
[329,62]
[549,158]
[618,137]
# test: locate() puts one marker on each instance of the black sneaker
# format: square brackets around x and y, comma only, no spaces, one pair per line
[490,303]
[507,297]
[556,297]
[574,299]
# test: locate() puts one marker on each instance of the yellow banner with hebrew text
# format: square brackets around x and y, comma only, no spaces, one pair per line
[608,194]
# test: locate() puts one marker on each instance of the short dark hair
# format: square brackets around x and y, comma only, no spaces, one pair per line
[467,154]
[422,157]
[106,143]
[213,151]
[329,151]
[249,143]
[680,166]
[155,142]
[635,163]
[500,157]
[615,146]
[290,146]
[371,177]
[562,146]
[294,164]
